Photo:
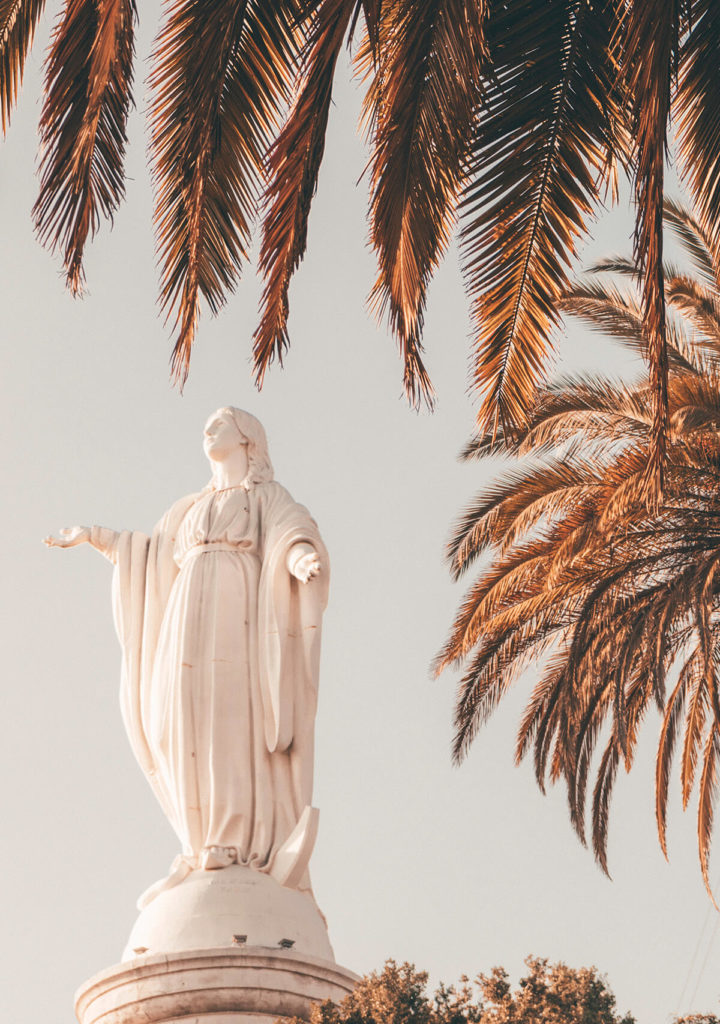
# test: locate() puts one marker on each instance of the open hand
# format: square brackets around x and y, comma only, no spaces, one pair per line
[69,537]
[307,567]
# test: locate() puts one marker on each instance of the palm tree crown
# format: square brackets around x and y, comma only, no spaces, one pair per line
[509,115]
[618,601]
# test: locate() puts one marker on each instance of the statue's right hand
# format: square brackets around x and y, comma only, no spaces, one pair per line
[69,538]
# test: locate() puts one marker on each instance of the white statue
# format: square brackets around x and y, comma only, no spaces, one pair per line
[219,616]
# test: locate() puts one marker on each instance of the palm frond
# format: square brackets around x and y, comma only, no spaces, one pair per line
[651,44]
[495,669]
[520,573]
[420,108]
[601,802]
[706,803]
[594,407]
[607,309]
[83,127]
[617,591]
[544,698]
[692,334]
[517,502]
[578,737]
[697,116]
[221,74]
[548,126]
[616,264]
[695,718]
[18,21]
[638,689]
[666,749]
[293,167]
[699,306]
[695,241]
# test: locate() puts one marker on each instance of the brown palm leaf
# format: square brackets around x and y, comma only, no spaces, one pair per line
[221,75]
[607,773]
[293,167]
[697,115]
[621,595]
[421,107]
[706,805]
[699,305]
[666,748]
[698,706]
[83,126]
[697,243]
[572,405]
[18,21]
[651,52]
[605,780]
[550,123]
[605,308]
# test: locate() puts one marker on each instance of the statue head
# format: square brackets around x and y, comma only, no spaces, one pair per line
[249,431]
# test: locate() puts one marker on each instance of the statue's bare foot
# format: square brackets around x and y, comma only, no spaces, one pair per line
[214,857]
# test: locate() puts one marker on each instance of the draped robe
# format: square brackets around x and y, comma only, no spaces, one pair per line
[221,652]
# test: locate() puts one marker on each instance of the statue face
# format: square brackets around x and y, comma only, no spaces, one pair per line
[221,437]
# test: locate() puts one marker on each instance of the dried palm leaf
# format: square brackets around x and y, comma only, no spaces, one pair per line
[548,125]
[83,127]
[293,167]
[697,115]
[421,109]
[696,243]
[18,21]
[221,75]
[651,46]
[621,594]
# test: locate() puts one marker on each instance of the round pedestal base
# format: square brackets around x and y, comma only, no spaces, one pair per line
[220,986]
[211,909]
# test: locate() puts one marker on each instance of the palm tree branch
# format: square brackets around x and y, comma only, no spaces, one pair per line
[607,309]
[706,802]
[420,108]
[650,71]
[18,22]
[293,167]
[698,305]
[697,118]
[602,793]
[696,242]
[221,74]
[534,176]
[504,509]
[666,749]
[83,127]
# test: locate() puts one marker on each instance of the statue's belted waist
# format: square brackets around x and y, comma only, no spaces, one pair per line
[218,545]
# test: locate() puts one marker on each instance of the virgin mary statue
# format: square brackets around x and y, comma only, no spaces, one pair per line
[219,613]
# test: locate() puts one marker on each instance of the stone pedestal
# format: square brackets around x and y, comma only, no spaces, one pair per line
[236,985]
[221,947]
[217,908]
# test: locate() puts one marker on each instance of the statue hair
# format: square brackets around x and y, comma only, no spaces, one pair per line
[260,470]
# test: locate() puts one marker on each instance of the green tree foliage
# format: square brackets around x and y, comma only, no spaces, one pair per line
[549,993]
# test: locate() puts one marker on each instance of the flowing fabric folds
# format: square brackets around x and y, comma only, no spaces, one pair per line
[289,617]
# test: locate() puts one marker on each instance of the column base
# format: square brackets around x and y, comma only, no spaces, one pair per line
[243,985]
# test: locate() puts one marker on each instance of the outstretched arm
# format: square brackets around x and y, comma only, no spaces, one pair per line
[99,537]
[69,538]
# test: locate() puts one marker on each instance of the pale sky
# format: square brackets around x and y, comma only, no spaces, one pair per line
[456,870]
